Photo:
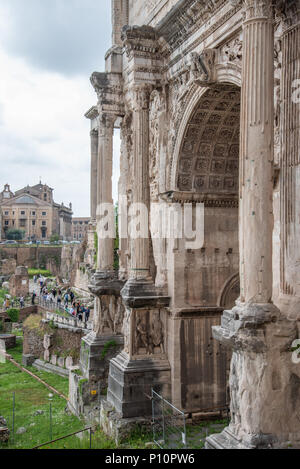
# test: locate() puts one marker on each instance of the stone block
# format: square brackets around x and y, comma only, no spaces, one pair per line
[27,359]
[61,362]
[54,359]
[69,363]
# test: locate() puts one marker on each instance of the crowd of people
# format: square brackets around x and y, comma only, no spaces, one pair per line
[51,296]
[62,300]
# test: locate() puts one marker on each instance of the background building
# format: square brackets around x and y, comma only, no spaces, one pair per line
[80,227]
[33,210]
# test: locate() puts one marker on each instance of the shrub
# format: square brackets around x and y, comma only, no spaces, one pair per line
[13,313]
[43,272]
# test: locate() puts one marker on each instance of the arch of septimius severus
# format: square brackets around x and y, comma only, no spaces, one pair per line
[207,99]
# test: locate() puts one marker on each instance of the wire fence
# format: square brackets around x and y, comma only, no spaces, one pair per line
[43,426]
[168,424]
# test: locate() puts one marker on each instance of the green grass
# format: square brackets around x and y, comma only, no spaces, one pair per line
[43,272]
[30,396]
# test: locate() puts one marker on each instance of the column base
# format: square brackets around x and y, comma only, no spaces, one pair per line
[264,381]
[140,293]
[130,383]
[106,283]
[95,354]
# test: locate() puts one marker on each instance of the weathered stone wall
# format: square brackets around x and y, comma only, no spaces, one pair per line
[32,257]
[65,341]
[7,266]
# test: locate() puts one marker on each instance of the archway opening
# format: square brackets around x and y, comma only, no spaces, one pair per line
[206,280]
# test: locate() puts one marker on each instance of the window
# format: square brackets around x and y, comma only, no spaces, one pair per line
[44,214]
[80,223]
[22,212]
[6,222]
[6,213]
[33,222]
[43,223]
[45,196]
[22,223]
[33,214]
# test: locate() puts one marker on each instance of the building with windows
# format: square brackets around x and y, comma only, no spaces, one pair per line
[80,227]
[33,210]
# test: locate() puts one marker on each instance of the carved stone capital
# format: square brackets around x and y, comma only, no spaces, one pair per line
[253,9]
[94,133]
[106,123]
[141,96]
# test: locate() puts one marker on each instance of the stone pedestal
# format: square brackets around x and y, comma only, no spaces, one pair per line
[19,282]
[95,353]
[130,383]
[143,364]
[264,386]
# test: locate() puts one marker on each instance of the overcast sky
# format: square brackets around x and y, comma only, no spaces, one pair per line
[48,50]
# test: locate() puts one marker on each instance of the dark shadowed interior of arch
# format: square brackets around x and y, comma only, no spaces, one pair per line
[209,155]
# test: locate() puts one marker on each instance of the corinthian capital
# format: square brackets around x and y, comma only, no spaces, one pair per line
[257,9]
[141,96]
[106,123]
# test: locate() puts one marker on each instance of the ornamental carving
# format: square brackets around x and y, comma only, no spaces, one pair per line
[202,67]
[149,334]
[109,315]
[257,9]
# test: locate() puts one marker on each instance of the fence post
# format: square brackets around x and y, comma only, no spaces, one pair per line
[90,437]
[163,418]
[13,417]
[50,421]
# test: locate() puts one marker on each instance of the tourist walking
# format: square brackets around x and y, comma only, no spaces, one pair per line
[58,300]
[66,298]
[21,302]
[33,298]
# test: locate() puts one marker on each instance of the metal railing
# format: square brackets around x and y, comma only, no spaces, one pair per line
[168,424]
[89,429]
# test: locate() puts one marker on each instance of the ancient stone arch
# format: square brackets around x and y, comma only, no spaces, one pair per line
[230,292]
[184,74]
[192,100]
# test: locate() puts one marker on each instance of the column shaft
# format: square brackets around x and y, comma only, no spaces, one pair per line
[256,169]
[94,177]
[105,257]
[140,245]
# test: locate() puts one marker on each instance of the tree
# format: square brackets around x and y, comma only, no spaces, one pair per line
[15,234]
[54,237]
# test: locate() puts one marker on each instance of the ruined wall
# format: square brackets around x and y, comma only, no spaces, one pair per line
[32,257]
[64,342]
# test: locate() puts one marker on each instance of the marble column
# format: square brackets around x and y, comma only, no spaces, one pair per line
[261,375]
[105,257]
[140,191]
[256,153]
[94,177]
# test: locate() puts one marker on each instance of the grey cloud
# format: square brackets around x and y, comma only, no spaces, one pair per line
[65,36]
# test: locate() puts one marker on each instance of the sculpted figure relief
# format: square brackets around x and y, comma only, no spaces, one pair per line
[202,66]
